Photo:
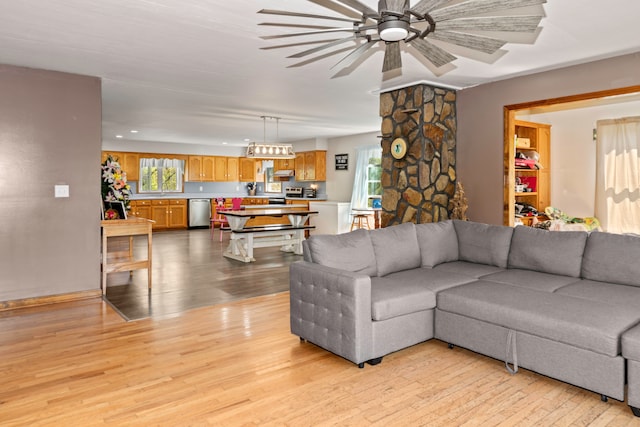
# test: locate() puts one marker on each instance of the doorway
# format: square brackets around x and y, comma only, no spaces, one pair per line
[510,117]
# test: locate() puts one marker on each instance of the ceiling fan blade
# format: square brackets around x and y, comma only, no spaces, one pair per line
[279,46]
[324,46]
[476,7]
[433,53]
[305,15]
[319,57]
[338,8]
[480,43]
[355,54]
[308,33]
[524,24]
[392,59]
[278,24]
[362,8]
[425,6]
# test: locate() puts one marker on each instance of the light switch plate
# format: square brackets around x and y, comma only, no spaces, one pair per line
[61,190]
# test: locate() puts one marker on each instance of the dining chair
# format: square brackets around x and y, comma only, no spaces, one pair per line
[218,217]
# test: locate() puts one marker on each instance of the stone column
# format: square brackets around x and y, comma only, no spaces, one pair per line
[418,187]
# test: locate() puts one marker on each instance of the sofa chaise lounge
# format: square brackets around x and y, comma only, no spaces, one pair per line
[564,304]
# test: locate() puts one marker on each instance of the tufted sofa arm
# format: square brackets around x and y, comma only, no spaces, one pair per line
[332,309]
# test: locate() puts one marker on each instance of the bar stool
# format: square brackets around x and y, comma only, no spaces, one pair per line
[360,220]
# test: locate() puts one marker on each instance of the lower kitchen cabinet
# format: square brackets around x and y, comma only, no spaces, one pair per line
[140,208]
[169,213]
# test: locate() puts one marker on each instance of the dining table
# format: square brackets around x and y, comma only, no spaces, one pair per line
[244,239]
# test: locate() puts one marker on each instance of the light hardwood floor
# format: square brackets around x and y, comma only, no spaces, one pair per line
[237,363]
[81,364]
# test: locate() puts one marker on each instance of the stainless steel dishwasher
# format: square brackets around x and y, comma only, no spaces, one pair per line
[199,212]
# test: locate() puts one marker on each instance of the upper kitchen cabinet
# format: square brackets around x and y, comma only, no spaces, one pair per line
[201,168]
[129,163]
[284,164]
[226,168]
[248,169]
[311,166]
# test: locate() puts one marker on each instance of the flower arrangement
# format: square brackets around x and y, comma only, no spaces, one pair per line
[114,183]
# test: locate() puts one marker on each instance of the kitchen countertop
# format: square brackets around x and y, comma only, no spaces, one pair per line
[213,196]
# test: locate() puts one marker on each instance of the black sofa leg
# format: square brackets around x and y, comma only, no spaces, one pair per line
[302,339]
[374,362]
[450,346]
[604,398]
[636,411]
[361,365]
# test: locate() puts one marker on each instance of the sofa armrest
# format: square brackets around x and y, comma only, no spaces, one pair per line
[332,309]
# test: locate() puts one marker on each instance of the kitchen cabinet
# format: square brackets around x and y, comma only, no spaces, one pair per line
[129,163]
[169,213]
[201,168]
[311,166]
[140,208]
[248,169]
[284,164]
[226,168]
[255,200]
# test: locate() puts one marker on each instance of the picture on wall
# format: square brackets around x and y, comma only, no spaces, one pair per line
[342,162]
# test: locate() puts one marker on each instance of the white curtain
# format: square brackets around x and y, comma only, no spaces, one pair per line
[618,175]
[359,196]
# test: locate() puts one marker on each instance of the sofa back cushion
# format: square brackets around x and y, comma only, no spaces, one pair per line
[483,243]
[396,248]
[555,252]
[438,243]
[613,258]
[349,251]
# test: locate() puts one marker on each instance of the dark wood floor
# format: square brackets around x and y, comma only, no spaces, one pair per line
[189,271]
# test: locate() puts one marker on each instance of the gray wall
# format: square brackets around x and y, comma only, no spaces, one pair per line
[50,133]
[480,122]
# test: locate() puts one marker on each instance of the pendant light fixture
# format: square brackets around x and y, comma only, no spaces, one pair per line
[270,150]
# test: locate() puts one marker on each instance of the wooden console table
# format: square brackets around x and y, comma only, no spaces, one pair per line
[117,261]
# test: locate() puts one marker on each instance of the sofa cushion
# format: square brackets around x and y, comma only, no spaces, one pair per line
[470,269]
[396,248]
[611,293]
[392,298]
[483,243]
[590,325]
[612,258]
[438,243]
[431,278]
[349,251]
[547,251]
[535,280]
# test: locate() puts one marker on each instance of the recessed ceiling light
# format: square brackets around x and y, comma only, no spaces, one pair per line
[133,131]
[224,142]
[247,140]
[118,136]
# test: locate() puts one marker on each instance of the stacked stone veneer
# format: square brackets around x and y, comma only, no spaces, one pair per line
[418,187]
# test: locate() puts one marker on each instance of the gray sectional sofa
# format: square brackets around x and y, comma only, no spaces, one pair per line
[564,304]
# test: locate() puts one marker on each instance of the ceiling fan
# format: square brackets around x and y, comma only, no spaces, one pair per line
[479,25]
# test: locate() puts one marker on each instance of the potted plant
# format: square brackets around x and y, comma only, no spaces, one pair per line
[251,188]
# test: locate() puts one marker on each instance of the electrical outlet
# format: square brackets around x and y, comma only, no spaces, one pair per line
[201,188]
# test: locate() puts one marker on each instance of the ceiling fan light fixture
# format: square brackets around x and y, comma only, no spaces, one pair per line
[393,31]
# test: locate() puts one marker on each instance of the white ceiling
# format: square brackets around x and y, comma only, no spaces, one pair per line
[192,71]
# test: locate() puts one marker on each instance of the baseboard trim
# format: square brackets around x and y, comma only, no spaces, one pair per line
[50,299]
